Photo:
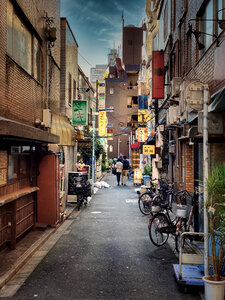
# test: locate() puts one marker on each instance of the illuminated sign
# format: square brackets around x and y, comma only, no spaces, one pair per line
[137,174]
[102,123]
[143,116]
[149,149]
[142,134]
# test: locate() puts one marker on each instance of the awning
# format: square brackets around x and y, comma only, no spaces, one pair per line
[9,128]
[217,102]
[150,140]
[62,127]
[135,145]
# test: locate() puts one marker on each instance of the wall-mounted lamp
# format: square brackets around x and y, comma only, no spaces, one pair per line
[197,35]
[83,89]
[221,23]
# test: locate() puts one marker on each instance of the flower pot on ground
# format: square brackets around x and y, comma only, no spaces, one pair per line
[214,290]
[215,206]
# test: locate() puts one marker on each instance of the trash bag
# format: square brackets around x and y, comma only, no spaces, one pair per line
[114,171]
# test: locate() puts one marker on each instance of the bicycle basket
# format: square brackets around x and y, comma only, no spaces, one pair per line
[156,208]
[181,211]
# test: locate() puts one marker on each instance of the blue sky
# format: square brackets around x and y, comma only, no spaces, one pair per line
[97,26]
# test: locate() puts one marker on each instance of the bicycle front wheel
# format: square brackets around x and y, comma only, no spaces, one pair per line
[145,204]
[158,229]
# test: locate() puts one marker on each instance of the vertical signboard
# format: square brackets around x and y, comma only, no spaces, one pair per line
[157,75]
[143,116]
[142,134]
[137,174]
[79,112]
[102,123]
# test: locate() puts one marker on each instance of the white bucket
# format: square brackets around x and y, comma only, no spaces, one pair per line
[214,290]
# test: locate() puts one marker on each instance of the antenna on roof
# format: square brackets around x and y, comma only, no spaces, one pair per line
[122,19]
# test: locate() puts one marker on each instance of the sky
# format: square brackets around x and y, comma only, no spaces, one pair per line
[97,26]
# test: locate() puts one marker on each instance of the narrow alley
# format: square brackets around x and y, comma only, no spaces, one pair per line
[105,254]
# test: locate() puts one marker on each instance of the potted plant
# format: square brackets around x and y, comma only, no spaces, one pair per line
[215,206]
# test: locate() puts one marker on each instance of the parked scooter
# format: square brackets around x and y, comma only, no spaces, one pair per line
[82,189]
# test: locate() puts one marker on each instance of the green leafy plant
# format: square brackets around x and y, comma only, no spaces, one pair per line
[148,170]
[215,206]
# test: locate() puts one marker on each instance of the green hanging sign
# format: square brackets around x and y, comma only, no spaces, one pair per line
[79,112]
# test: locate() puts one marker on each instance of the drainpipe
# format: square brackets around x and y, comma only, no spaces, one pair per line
[205,175]
[170,168]
[93,153]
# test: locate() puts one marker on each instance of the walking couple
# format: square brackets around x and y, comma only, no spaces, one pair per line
[122,167]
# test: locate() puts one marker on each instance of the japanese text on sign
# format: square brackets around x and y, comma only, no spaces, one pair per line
[102,123]
[149,149]
[142,134]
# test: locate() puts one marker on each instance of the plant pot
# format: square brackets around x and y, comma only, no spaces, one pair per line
[214,290]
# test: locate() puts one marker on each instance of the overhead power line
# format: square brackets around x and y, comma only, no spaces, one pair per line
[85,59]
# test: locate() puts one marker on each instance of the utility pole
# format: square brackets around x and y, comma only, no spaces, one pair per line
[93,137]
[205,175]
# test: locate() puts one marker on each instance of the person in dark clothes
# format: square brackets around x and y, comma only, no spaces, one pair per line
[119,168]
[126,166]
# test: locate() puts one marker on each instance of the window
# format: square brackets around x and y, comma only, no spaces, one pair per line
[221,14]
[74,89]
[174,15]
[111,91]
[37,59]
[207,26]
[129,102]
[18,167]
[69,88]
[189,52]
[166,21]
[13,167]
[22,46]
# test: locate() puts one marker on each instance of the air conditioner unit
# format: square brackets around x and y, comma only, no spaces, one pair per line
[172,115]
[194,95]
[183,107]
[47,118]
[175,86]
[161,128]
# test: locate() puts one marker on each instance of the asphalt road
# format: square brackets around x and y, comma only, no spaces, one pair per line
[106,253]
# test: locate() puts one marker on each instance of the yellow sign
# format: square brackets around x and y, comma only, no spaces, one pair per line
[143,116]
[137,174]
[149,149]
[102,123]
[142,134]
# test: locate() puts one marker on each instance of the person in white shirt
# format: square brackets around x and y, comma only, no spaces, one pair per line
[119,168]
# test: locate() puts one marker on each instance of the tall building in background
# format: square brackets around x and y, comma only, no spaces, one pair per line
[112,57]
[97,73]
[122,93]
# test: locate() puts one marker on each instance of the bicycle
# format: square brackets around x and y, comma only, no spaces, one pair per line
[164,223]
[185,223]
[146,199]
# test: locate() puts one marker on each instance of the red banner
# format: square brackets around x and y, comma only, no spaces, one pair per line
[157,75]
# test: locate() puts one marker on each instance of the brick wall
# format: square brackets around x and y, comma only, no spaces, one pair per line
[22,97]
[189,169]
[69,64]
